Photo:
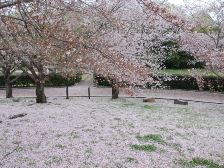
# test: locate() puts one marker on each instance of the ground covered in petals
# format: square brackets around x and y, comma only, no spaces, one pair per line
[110,133]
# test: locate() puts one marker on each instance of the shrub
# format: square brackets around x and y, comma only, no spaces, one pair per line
[101,81]
[210,83]
[181,59]
[58,80]
[52,80]
[177,59]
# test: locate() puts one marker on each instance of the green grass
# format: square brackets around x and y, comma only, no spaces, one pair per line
[53,160]
[189,72]
[60,146]
[131,125]
[29,161]
[145,148]
[150,107]
[129,104]
[131,160]
[195,162]
[151,137]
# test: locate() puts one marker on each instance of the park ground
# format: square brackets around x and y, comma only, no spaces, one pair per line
[81,90]
[101,132]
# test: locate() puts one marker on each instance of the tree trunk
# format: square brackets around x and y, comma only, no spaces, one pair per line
[115,91]
[67,95]
[8,89]
[8,84]
[41,98]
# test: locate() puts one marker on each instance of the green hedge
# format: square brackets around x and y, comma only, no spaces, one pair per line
[178,59]
[211,83]
[53,80]
[101,81]
[58,80]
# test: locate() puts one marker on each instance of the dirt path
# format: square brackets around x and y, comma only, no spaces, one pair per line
[81,89]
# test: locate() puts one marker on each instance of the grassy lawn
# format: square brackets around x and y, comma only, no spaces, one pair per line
[190,72]
[101,132]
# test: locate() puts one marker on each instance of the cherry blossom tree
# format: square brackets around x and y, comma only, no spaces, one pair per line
[105,46]
[208,36]
[201,29]
[32,40]
[139,35]
[8,62]
[7,67]
[150,32]
[47,32]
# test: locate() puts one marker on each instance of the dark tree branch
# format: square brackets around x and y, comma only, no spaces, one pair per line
[13,3]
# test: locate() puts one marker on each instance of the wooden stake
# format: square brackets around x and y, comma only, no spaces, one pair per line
[89,92]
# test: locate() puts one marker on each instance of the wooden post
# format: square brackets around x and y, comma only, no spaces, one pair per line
[89,92]
[67,94]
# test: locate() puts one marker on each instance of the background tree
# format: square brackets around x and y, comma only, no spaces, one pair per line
[198,39]
[208,36]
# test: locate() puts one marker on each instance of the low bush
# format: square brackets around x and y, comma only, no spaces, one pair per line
[175,58]
[52,80]
[101,81]
[184,82]
[58,80]
[210,83]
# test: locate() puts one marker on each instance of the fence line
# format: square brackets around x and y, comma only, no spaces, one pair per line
[126,97]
